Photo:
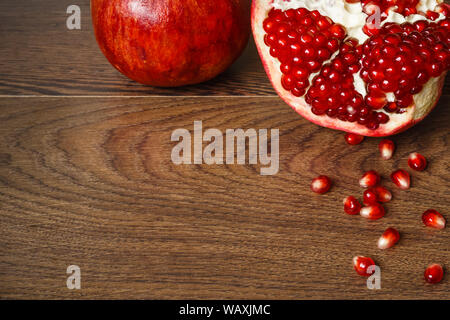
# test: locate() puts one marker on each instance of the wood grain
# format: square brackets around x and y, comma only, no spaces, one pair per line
[90,182]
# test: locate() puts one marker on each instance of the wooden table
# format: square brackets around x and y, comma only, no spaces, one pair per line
[86,179]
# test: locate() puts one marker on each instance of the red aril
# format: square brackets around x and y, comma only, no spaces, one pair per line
[353,139]
[401,179]
[376,194]
[434,273]
[373,212]
[351,205]
[388,239]
[417,162]
[321,184]
[387,148]
[370,197]
[383,194]
[375,85]
[171,43]
[361,263]
[432,218]
[369,179]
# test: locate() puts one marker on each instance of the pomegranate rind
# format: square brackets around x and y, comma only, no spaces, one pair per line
[397,123]
[151,43]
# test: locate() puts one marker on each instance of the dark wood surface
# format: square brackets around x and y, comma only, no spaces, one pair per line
[89,181]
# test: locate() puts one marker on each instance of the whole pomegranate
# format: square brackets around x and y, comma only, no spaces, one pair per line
[171,43]
[369,67]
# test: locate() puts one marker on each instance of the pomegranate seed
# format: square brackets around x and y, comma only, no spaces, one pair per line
[376,195]
[432,15]
[351,205]
[432,218]
[370,197]
[324,23]
[376,100]
[373,212]
[405,101]
[401,179]
[383,194]
[369,179]
[417,161]
[434,273]
[361,264]
[337,31]
[289,13]
[382,117]
[387,148]
[444,9]
[298,92]
[321,184]
[300,73]
[287,82]
[300,12]
[353,138]
[269,25]
[388,239]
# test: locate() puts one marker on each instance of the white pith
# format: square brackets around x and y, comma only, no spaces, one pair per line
[383,243]
[353,18]
[365,212]
[441,223]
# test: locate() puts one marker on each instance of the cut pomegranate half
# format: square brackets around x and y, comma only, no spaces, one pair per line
[336,70]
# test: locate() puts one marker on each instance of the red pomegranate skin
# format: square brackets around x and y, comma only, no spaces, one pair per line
[169,43]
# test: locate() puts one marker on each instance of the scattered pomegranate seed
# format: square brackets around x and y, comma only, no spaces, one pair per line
[401,179]
[383,194]
[370,197]
[353,139]
[388,239]
[321,184]
[432,218]
[417,161]
[361,264]
[373,212]
[387,148]
[369,179]
[376,194]
[434,273]
[351,205]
